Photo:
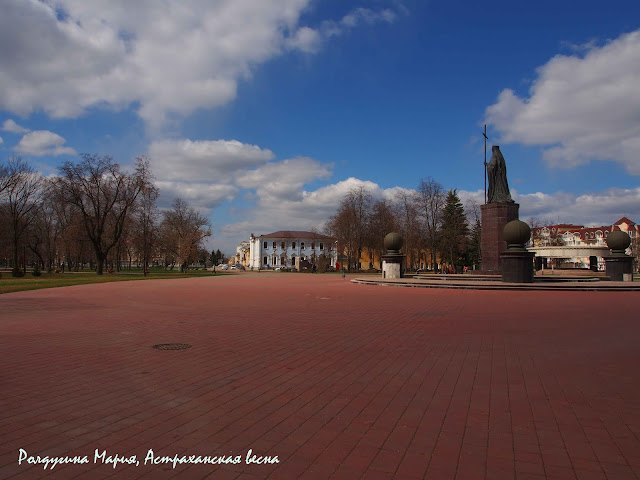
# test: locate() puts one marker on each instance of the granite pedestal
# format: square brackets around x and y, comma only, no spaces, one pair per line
[517,267]
[392,265]
[619,268]
[494,218]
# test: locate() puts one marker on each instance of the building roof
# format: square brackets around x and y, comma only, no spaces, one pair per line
[296,234]
[624,220]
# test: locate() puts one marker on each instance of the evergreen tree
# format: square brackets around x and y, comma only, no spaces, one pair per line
[216,257]
[453,238]
[474,250]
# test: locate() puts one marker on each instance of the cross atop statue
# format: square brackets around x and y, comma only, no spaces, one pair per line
[484,134]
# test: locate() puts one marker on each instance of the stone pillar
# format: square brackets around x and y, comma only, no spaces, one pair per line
[494,218]
[619,269]
[392,266]
[393,260]
[517,262]
[619,265]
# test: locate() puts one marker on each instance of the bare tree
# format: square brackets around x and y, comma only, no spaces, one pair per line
[6,176]
[42,234]
[23,197]
[349,224]
[71,237]
[430,198]
[104,194]
[146,224]
[406,210]
[382,222]
[184,229]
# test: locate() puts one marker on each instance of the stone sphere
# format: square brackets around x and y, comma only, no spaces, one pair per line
[393,242]
[516,233]
[618,240]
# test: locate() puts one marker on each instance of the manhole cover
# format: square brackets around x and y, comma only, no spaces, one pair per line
[172,346]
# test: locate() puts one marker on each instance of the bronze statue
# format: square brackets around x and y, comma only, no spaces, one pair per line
[497,173]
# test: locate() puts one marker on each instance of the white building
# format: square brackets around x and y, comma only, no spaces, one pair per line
[242,254]
[580,246]
[286,248]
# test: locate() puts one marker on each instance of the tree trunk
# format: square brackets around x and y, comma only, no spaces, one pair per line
[16,253]
[100,259]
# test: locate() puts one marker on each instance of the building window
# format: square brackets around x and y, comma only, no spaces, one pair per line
[293,244]
[266,245]
[293,260]
[274,245]
[283,260]
[301,245]
[313,245]
[275,260]
[321,246]
[264,261]
[282,245]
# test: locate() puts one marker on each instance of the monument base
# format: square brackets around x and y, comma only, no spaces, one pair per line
[619,268]
[392,266]
[517,267]
[494,217]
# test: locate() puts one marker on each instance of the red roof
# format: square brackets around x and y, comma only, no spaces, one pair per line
[624,220]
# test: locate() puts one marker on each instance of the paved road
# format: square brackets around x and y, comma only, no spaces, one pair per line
[336,380]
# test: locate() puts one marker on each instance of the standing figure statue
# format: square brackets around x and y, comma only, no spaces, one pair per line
[497,173]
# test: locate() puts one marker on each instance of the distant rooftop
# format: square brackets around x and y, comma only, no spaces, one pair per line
[296,234]
[624,220]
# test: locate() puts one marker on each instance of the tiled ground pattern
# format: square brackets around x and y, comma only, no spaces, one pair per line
[338,380]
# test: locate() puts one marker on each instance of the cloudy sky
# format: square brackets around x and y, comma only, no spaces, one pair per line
[264,113]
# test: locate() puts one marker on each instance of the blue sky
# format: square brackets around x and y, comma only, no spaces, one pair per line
[264,113]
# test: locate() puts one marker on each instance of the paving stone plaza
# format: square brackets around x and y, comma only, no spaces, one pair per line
[337,380]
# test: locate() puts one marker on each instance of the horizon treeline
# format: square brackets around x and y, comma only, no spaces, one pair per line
[93,213]
[434,225]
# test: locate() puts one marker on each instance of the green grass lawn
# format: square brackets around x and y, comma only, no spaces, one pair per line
[10,284]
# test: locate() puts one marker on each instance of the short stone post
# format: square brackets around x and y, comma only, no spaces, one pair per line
[393,260]
[619,265]
[517,262]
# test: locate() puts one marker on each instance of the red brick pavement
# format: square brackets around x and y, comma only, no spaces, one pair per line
[337,380]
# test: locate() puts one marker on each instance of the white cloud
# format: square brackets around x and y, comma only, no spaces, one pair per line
[304,210]
[204,160]
[596,208]
[204,197]
[11,126]
[43,142]
[305,39]
[581,108]
[206,173]
[1,140]
[366,15]
[310,40]
[283,180]
[168,59]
